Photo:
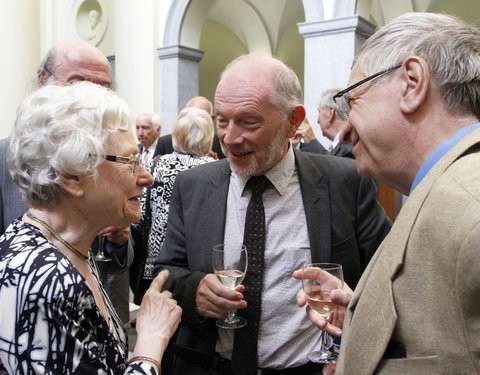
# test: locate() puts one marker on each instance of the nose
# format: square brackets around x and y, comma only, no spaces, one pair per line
[232,134]
[144,178]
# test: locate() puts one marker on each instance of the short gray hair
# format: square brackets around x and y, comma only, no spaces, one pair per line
[340,105]
[287,91]
[46,65]
[62,128]
[450,47]
[156,121]
[192,132]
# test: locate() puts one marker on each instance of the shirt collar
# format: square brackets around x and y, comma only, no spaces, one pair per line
[152,147]
[440,151]
[336,140]
[279,175]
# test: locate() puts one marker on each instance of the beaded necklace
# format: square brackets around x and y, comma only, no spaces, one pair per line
[57,236]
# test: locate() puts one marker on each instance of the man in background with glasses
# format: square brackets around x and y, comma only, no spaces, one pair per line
[65,64]
[414,124]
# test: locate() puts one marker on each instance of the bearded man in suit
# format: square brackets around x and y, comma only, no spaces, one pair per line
[414,125]
[317,208]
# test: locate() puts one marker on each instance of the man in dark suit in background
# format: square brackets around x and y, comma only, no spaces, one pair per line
[148,126]
[165,142]
[317,209]
[332,117]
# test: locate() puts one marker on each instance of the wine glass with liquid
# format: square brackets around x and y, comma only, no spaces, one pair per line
[230,266]
[319,279]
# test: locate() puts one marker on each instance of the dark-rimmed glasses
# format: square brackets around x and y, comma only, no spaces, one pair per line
[134,161]
[339,94]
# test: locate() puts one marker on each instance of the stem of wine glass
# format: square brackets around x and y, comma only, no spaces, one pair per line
[323,338]
[231,318]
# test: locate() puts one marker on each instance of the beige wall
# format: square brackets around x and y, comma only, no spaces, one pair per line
[28,28]
[20,40]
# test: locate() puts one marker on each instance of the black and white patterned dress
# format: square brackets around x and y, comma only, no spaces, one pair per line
[164,170]
[49,322]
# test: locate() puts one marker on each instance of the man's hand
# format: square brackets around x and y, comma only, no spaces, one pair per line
[215,301]
[305,132]
[118,235]
[341,297]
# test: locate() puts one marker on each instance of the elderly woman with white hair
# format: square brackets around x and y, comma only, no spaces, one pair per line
[192,138]
[74,157]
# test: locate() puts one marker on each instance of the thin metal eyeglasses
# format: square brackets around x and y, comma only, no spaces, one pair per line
[339,94]
[134,161]
[77,78]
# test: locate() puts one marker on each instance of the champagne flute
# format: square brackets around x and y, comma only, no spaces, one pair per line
[319,279]
[101,257]
[230,266]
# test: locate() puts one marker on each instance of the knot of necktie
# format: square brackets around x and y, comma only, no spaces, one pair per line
[258,184]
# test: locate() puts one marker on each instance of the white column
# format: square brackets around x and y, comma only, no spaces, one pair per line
[330,46]
[179,81]
[19,32]
[135,61]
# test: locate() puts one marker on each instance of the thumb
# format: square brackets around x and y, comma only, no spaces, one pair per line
[157,282]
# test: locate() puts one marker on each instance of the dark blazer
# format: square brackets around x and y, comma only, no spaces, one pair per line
[344,150]
[164,146]
[345,225]
[10,197]
[159,148]
[314,146]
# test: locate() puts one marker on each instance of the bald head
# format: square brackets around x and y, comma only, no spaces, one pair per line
[202,103]
[281,81]
[72,62]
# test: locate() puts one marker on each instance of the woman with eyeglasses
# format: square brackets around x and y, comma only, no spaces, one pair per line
[75,159]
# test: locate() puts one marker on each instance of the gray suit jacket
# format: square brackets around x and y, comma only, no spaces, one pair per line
[416,309]
[345,225]
[11,198]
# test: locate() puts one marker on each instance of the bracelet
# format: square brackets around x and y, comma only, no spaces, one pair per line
[146,359]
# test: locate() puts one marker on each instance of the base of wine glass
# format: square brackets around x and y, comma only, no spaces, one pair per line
[102,258]
[325,356]
[233,323]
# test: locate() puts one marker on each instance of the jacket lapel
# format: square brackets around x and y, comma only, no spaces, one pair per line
[316,202]
[216,201]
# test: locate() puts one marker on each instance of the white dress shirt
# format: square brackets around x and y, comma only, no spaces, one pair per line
[286,335]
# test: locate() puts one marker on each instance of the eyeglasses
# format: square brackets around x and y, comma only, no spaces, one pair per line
[339,94]
[134,161]
[77,78]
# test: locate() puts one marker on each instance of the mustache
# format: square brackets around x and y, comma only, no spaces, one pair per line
[241,149]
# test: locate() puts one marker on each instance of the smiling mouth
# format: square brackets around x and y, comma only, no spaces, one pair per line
[135,198]
[238,154]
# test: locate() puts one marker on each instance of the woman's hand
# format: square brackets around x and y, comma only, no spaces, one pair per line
[157,319]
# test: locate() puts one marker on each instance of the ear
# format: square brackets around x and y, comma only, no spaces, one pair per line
[42,76]
[416,84]
[331,114]
[296,118]
[70,184]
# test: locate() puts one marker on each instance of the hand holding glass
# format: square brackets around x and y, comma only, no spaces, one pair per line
[230,265]
[319,279]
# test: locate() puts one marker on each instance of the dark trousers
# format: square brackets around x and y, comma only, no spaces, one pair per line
[190,361]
